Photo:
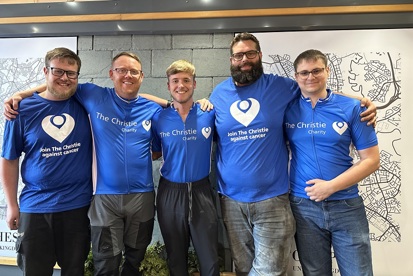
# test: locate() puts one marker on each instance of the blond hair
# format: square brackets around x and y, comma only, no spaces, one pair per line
[180,66]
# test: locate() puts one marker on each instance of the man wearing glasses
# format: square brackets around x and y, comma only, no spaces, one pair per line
[327,207]
[52,130]
[252,161]
[122,210]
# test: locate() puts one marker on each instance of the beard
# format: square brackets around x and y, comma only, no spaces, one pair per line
[246,77]
[63,94]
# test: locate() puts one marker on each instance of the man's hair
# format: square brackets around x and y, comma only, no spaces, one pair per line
[180,66]
[62,53]
[243,37]
[128,54]
[310,55]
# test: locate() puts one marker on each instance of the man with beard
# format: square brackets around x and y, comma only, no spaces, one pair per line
[52,130]
[252,161]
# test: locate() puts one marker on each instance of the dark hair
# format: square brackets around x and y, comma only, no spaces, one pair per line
[243,37]
[129,54]
[312,55]
[63,53]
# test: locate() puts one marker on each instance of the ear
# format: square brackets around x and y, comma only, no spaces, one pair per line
[328,70]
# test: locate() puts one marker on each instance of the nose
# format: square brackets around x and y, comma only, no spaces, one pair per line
[64,76]
[310,76]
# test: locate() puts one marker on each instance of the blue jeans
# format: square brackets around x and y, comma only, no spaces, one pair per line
[341,224]
[260,234]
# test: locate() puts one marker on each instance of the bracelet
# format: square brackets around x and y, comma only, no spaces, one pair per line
[168,103]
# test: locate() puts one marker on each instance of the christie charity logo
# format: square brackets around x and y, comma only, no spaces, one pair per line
[317,128]
[146,125]
[245,111]
[58,127]
[340,127]
[206,131]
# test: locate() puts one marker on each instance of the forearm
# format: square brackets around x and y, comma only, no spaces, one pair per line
[160,101]
[10,177]
[368,163]
[29,92]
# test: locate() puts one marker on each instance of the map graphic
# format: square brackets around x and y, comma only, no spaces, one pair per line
[17,74]
[376,75]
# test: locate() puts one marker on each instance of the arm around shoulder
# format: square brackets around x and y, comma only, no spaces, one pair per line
[160,101]
[11,105]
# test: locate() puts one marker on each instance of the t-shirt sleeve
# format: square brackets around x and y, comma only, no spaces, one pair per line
[12,140]
[363,136]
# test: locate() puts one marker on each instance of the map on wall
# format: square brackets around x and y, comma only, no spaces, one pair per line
[373,70]
[21,67]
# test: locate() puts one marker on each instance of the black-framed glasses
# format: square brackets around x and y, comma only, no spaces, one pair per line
[250,55]
[315,72]
[60,72]
[124,71]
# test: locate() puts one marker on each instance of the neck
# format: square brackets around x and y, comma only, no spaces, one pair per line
[315,96]
[127,100]
[49,96]
[183,108]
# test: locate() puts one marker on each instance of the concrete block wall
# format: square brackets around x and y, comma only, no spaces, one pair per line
[208,52]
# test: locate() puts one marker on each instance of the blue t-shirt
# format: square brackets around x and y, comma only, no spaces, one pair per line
[122,136]
[57,166]
[252,157]
[320,140]
[186,146]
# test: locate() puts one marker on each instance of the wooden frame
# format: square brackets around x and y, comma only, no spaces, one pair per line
[401,8]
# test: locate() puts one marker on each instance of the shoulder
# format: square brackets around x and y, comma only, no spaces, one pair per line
[165,111]
[148,103]
[203,113]
[224,85]
[345,105]
[278,79]
[150,106]
[345,101]
[91,87]
[31,103]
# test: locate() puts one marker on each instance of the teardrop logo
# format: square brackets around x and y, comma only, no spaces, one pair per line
[146,125]
[245,111]
[340,127]
[206,131]
[58,127]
